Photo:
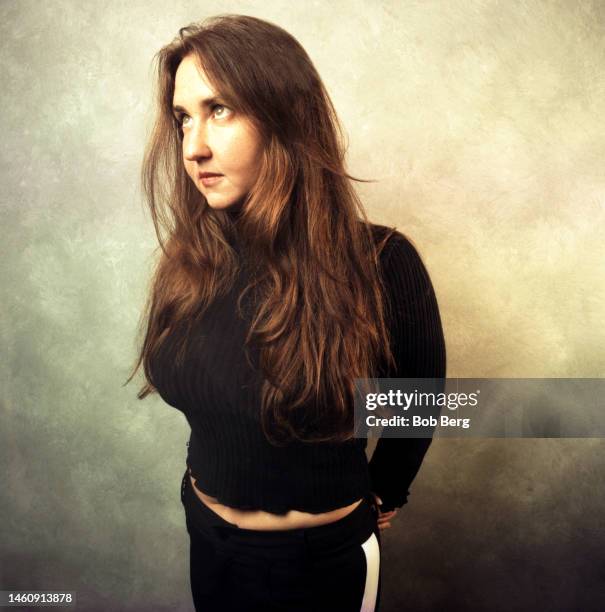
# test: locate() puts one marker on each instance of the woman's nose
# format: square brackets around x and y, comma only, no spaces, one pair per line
[196,143]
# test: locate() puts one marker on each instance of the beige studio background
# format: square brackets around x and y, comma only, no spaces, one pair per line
[481,121]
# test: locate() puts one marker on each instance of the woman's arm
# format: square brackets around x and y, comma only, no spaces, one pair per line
[418,346]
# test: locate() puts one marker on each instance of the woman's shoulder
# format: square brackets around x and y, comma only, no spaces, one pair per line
[394,247]
[402,267]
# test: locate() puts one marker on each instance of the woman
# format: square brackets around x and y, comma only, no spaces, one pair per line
[273,293]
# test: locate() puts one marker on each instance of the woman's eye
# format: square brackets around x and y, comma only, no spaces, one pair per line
[220,107]
[220,110]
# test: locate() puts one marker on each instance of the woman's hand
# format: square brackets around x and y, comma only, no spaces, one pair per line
[383,517]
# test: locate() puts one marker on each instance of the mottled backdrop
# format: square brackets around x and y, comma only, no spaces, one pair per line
[482,122]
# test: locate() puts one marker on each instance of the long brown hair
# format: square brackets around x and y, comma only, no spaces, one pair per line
[320,321]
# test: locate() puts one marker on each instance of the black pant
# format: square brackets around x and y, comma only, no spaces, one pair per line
[330,568]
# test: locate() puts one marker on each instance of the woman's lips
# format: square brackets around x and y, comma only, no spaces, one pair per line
[210,180]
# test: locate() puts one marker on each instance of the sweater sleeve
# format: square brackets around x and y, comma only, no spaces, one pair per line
[418,346]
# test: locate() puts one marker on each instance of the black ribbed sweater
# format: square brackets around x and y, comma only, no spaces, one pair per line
[219,394]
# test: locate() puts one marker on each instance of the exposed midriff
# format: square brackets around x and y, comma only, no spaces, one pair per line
[266,521]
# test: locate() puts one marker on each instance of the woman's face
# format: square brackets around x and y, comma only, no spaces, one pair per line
[215,139]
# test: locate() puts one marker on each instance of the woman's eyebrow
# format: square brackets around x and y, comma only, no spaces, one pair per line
[206,102]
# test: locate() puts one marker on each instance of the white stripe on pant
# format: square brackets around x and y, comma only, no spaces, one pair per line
[372,553]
